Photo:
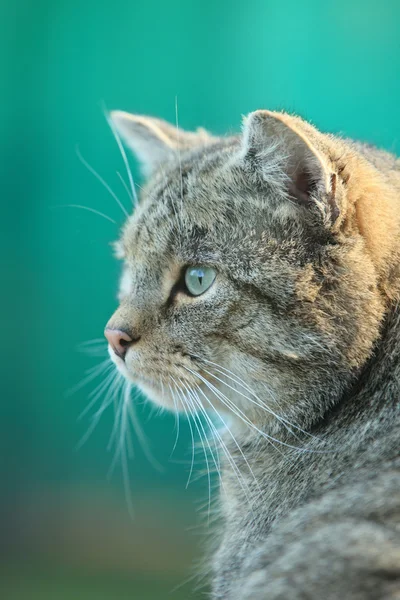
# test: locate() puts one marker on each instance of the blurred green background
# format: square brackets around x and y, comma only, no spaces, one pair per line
[65,530]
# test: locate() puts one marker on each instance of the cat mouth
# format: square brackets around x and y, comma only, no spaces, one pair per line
[156,380]
[169,384]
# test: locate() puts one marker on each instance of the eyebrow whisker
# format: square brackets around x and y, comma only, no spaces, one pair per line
[101,180]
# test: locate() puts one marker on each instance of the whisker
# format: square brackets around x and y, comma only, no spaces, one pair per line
[90,375]
[201,425]
[93,342]
[143,440]
[241,415]
[179,151]
[260,403]
[118,403]
[96,393]
[314,341]
[124,157]
[122,180]
[193,415]
[101,180]
[121,422]
[141,188]
[122,448]
[247,420]
[168,189]
[92,210]
[177,423]
[197,406]
[104,405]
[105,387]
[228,455]
[220,396]
[191,434]
[239,381]
[100,351]
[93,347]
[108,399]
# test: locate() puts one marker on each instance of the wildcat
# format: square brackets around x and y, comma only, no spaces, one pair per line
[261,285]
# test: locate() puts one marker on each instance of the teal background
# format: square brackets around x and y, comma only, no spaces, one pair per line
[66,530]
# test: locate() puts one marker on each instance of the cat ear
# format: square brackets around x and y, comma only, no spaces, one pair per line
[154,141]
[289,151]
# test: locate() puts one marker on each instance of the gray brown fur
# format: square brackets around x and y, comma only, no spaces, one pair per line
[303,230]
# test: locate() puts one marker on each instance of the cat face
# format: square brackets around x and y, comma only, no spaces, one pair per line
[244,287]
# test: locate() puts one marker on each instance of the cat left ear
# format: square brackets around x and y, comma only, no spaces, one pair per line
[284,149]
[154,141]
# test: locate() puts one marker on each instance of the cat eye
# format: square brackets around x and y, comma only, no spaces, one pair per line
[199,279]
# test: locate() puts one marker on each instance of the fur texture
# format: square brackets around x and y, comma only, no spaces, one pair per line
[294,348]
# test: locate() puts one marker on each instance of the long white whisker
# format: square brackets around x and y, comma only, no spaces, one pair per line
[212,389]
[179,151]
[190,399]
[198,406]
[121,451]
[92,210]
[101,180]
[96,393]
[314,341]
[144,442]
[124,158]
[91,374]
[236,379]
[193,415]
[117,416]
[240,414]
[124,458]
[122,180]
[108,399]
[244,417]
[93,347]
[228,455]
[259,402]
[95,341]
[104,405]
[191,434]
[177,423]
[168,189]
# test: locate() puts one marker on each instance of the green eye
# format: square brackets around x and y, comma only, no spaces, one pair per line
[199,279]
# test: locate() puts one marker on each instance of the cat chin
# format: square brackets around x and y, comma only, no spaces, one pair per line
[151,392]
[156,396]
[159,394]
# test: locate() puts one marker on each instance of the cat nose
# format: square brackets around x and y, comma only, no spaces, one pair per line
[119,341]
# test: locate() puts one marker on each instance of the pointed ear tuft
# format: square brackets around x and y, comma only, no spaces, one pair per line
[289,149]
[154,141]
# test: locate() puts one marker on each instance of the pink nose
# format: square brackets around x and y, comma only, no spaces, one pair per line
[119,341]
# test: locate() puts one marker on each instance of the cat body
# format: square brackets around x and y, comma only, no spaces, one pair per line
[294,345]
[327,523]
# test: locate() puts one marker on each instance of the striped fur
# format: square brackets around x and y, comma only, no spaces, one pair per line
[296,343]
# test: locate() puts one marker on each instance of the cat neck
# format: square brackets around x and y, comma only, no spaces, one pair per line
[372,210]
[377,388]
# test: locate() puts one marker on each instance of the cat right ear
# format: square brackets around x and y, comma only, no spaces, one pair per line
[152,140]
[287,152]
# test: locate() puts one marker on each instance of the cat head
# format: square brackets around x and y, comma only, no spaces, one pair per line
[248,285]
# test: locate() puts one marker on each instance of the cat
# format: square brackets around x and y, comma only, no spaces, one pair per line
[260,288]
